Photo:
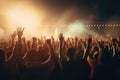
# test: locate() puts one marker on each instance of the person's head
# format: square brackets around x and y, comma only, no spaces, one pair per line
[71,53]
[96,48]
[2,56]
[34,39]
[61,37]
[34,43]
[48,41]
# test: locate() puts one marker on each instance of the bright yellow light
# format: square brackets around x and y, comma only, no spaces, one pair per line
[20,17]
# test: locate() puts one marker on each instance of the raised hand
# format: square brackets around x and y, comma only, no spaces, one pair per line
[20,31]
[48,42]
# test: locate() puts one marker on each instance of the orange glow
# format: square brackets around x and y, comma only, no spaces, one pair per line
[20,17]
[1,33]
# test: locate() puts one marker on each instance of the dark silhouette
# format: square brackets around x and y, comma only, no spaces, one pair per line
[63,59]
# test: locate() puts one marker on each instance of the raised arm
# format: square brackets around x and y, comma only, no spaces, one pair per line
[87,50]
[12,47]
[20,34]
[13,36]
[100,46]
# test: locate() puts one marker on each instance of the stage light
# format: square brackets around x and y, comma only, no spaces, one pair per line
[23,17]
[75,28]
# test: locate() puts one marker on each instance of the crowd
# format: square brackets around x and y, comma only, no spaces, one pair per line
[62,59]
